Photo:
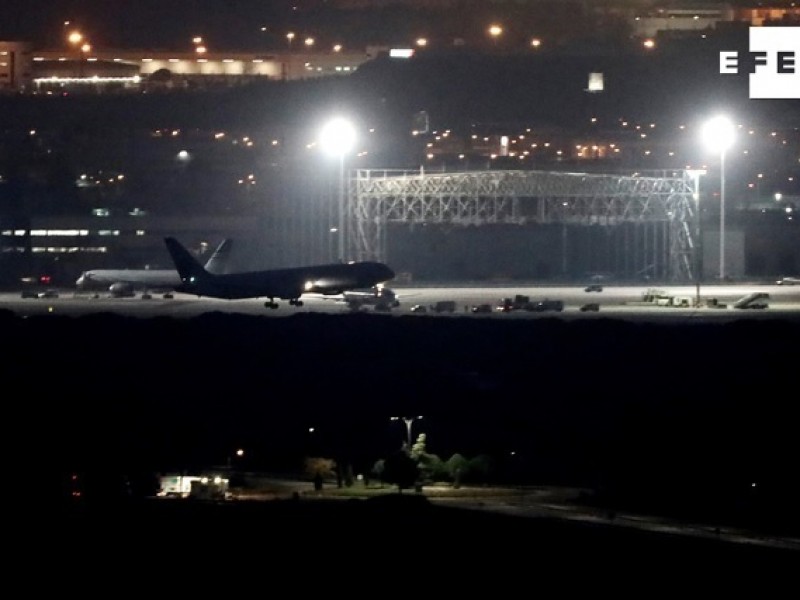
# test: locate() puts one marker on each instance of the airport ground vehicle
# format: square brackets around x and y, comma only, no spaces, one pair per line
[381,298]
[546,305]
[518,302]
[590,307]
[522,302]
[419,308]
[754,300]
[788,281]
[594,287]
[444,306]
[482,308]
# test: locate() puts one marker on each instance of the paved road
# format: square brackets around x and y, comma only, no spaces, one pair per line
[551,502]
[564,503]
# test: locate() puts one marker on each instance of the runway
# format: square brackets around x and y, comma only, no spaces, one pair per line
[619,302]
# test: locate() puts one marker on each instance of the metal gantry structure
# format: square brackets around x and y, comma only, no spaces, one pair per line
[661,202]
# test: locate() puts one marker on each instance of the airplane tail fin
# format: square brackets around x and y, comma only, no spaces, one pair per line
[188,268]
[218,263]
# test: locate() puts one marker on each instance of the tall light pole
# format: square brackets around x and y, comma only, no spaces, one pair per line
[337,139]
[239,454]
[85,49]
[408,421]
[698,235]
[76,39]
[718,135]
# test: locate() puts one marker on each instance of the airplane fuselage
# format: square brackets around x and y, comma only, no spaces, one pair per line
[97,279]
[148,279]
[288,284]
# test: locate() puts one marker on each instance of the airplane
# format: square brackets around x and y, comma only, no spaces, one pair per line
[123,282]
[287,284]
[788,281]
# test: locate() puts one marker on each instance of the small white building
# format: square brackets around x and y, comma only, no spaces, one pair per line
[206,487]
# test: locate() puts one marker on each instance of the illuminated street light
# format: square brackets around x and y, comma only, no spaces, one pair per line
[290,37]
[239,453]
[408,421]
[337,138]
[495,31]
[718,136]
[76,38]
[333,231]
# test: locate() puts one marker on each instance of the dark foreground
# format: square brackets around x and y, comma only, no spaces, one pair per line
[303,543]
[693,420]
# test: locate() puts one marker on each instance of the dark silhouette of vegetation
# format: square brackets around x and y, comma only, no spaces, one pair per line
[401,470]
[319,469]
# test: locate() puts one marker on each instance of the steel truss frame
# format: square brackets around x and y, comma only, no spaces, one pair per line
[376,198]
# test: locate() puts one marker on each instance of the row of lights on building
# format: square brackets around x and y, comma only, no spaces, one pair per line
[77,40]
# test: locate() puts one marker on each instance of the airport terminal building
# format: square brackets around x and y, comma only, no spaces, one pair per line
[24,69]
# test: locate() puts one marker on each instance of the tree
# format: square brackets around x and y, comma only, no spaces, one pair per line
[481,466]
[378,469]
[418,448]
[457,466]
[431,467]
[401,470]
[318,469]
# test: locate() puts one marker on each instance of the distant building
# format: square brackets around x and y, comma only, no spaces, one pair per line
[698,17]
[765,15]
[688,18]
[22,69]
[15,65]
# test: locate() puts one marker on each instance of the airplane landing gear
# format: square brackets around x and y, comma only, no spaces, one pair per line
[296,302]
[271,304]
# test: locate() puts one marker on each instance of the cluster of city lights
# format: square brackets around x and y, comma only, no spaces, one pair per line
[650,142]
[670,144]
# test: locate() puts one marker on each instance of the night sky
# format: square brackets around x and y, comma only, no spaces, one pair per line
[145,23]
